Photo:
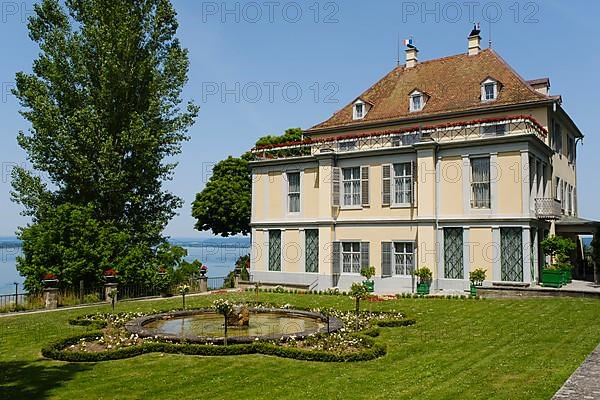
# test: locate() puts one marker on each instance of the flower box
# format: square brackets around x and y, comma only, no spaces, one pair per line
[423,288]
[553,278]
[370,285]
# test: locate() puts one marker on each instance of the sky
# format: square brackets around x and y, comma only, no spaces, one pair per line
[261,67]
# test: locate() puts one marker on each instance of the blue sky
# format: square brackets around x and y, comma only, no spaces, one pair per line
[260,67]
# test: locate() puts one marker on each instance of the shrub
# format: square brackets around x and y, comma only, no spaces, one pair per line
[424,274]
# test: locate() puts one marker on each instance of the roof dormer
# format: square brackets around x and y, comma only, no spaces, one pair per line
[417,100]
[360,108]
[490,89]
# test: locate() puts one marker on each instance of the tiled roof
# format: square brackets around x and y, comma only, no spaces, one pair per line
[453,84]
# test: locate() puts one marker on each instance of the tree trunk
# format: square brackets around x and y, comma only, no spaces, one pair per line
[225,339]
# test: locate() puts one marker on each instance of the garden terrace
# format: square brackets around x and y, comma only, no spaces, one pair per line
[457,131]
[475,349]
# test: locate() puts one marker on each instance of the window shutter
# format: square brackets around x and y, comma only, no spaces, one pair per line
[337,248]
[335,186]
[364,185]
[364,254]
[413,174]
[386,259]
[387,185]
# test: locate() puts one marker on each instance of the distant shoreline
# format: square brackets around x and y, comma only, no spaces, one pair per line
[238,243]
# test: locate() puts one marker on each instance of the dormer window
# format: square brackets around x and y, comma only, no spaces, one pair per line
[417,101]
[489,90]
[360,109]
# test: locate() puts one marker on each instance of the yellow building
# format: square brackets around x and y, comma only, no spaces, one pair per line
[455,163]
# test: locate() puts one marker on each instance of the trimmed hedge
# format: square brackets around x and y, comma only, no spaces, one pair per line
[57,351]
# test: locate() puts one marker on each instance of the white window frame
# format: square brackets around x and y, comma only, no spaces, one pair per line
[290,193]
[403,254]
[413,97]
[473,183]
[359,104]
[355,183]
[409,177]
[484,94]
[355,257]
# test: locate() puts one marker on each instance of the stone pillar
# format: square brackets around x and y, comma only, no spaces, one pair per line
[107,289]
[203,284]
[51,298]
[236,281]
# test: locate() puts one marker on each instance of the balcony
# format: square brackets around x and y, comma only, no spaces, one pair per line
[548,209]
[455,131]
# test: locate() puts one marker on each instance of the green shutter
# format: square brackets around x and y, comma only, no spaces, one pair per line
[386,259]
[274,250]
[337,254]
[511,254]
[453,253]
[364,254]
[312,250]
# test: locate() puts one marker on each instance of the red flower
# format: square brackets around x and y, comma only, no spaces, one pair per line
[110,272]
[204,268]
[162,270]
[49,277]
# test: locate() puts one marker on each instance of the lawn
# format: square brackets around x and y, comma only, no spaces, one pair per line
[487,349]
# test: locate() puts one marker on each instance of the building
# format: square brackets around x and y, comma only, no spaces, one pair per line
[455,163]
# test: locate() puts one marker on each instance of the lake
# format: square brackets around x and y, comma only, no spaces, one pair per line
[218,254]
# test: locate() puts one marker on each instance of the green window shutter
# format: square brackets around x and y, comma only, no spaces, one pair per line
[364,254]
[364,185]
[413,169]
[337,255]
[386,259]
[335,186]
[453,253]
[511,254]
[386,197]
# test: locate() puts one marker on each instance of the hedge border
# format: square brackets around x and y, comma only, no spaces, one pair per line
[57,350]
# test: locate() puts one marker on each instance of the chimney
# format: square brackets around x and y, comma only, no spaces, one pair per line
[475,41]
[411,56]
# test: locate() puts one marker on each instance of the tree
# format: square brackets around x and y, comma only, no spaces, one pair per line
[104,103]
[224,205]
[358,292]
[557,247]
[596,256]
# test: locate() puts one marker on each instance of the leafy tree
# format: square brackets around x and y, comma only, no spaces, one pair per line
[596,256]
[557,247]
[224,205]
[104,103]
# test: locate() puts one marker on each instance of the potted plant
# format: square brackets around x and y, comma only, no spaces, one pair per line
[50,280]
[110,275]
[203,270]
[424,276]
[477,277]
[558,272]
[368,273]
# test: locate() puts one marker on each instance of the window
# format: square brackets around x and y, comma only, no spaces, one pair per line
[293,192]
[453,253]
[490,91]
[480,182]
[511,254]
[557,186]
[351,186]
[274,250]
[312,250]
[493,130]
[571,149]
[557,138]
[404,258]
[416,102]
[351,257]
[359,109]
[347,145]
[403,183]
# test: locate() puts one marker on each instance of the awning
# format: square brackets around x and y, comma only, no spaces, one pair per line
[579,226]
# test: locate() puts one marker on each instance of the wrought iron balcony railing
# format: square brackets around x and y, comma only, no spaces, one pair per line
[468,130]
[547,209]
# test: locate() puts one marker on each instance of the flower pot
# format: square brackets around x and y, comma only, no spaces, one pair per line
[568,276]
[423,288]
[370,285]
[552,278]
[473,291]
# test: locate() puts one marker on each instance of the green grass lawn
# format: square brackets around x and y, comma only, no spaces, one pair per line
[459,349]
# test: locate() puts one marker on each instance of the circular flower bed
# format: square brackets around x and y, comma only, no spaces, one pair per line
[352,340]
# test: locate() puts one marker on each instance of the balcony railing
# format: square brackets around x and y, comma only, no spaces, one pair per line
[469,130]
[547,209]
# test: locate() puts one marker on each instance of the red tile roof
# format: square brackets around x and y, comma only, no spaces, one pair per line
[453,84]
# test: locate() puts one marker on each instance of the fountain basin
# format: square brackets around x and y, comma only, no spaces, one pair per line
[206,326]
